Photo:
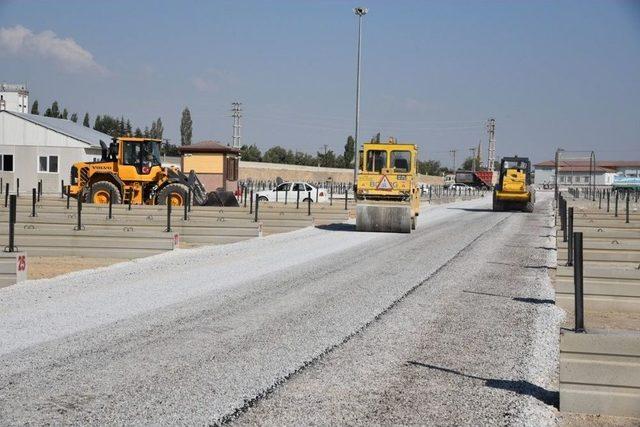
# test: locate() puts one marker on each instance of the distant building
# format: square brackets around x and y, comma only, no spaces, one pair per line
[14,98]
[34,148]
[216,164]
[576,172]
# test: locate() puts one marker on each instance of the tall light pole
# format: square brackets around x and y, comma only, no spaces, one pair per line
[360,12]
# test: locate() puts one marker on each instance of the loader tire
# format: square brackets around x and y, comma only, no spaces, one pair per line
[100,191]
[413,222]
[176,193]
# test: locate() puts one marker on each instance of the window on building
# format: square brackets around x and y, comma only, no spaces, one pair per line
[562,179]
[48,164]
[53,164]
[6,162]
[586,179]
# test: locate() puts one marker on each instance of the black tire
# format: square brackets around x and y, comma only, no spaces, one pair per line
[529,207]
[413,223]
[305,200]
[178,193]
[99,193]
[263,199]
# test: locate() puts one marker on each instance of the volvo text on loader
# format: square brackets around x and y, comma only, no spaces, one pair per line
[387,193]
[514,189]
[130,171]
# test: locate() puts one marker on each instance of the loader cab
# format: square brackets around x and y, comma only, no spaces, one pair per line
[138,158]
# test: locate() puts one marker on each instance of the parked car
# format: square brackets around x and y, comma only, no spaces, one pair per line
[289,191]
[458,186]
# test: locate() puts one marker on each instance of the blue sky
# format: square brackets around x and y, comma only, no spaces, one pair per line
[552,73]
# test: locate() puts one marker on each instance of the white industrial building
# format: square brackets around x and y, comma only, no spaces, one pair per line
[576,172]
[34,148]
[14,97]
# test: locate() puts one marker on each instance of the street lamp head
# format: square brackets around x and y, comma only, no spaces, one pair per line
[360,11]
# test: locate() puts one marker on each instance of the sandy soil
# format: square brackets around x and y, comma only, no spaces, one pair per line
[47,267]
[606,320]
[580,420]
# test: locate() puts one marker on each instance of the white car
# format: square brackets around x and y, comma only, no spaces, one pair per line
[458,186]
[289,191]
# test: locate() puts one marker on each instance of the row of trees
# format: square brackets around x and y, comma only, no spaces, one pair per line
[278,154]
[117,127]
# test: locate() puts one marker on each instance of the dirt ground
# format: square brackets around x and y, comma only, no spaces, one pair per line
[47,267]
[581,420]
[605,320]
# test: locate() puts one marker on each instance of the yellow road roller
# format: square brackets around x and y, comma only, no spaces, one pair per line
[387,193]
[514,189]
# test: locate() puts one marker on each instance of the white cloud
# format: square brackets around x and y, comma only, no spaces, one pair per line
[64,52]
[213,80]
[205,84]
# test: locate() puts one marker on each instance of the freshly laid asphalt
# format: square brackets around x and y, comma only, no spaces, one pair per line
[452,324]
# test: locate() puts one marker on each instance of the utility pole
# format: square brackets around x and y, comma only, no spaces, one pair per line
[491,129]
[360,12]
[473,157]
[236,110]
[453,152]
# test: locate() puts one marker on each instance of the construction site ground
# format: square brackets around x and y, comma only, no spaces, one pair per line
[452,324]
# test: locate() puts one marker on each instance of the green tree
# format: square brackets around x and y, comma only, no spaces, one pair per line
[304,159]
[74,118]
[34,107]
[97,125]
[47,112]
[469,162]
[186,127]
[430,167]
[349,151]
[127,128]
[156,129]
[277,154]
[138,133]
[327,160]
[85,122]
[55,110]
[250,153]
[65,114]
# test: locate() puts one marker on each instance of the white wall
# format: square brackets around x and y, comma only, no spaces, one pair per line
[27,141]
[14,101]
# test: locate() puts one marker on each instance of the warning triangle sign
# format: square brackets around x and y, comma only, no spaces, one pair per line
[384,184]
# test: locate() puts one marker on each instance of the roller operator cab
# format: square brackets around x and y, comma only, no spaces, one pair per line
[130,170]
[387,192]
[514,189]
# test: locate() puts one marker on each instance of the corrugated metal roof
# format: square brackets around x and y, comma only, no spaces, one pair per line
[66,127]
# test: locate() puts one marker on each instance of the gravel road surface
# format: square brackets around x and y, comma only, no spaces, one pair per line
[450,324]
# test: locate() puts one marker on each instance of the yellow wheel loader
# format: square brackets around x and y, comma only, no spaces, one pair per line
[130,171]
[514,189]
[387,193]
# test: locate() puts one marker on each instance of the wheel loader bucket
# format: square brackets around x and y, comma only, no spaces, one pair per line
[387,218]
[221,198]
